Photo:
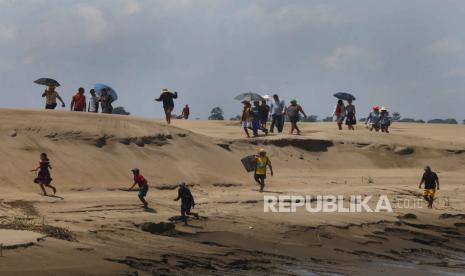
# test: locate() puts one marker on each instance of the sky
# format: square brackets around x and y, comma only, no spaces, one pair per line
[407,55]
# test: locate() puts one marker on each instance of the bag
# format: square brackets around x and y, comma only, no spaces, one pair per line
[249,163]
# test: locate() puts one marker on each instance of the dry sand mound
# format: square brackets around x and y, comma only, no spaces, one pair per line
[94,227]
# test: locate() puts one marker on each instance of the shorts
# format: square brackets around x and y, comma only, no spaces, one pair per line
[143,192]
[260,177]
[340,119]
[246,124]
[429,192]
[51,106]
[294,119]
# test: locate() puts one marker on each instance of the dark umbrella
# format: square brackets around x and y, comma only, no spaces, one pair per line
[344,96]
[250,96]
[98,90]
[47,82]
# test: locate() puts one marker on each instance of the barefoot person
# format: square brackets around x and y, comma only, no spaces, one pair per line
[430,179]
[384,120]
[372,121]
[278,111]
[340,113]
[168,104]
[246,117]
[44,178]
[186,112]
[106,102]
[143,186]
[187,202]
[78,102]
[261,163]
[293,112]
[351,120]
[51,97]
[94,102]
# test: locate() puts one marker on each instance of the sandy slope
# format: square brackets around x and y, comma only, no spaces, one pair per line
[92,155]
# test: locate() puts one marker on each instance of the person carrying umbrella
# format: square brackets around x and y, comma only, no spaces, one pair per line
[293,112]
[168,104]
[106,101]
[78,102]
[51,97]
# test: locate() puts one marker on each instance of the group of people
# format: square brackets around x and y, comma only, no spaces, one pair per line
[79,101]
[256,115]
[44,179]
[345,112]
[378,119]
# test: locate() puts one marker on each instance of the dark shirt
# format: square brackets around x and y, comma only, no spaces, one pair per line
[430,180]
[167,99]
[264,110]
[186,196]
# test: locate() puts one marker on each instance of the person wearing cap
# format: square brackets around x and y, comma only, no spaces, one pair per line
[94,102]
[372,121]
[143,186]
[246,117]
[278,110]
[340,113]
[384,120]
[168,104]
[261,163]
[78,102]
[187,201]
[51,97]
[293,112]
[430,179]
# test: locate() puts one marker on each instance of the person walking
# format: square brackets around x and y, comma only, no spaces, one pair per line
[78,102]
[106,102]
[186,112]
[278,110]
[372,121]
[94,102]
[351,119]
[340,113]
[384,120]
[187,202]
[293,113]
[256,119]
[246,117]
[51,97]
[168,104]
[431,181]
[44,177]
[261,163]
[264,110]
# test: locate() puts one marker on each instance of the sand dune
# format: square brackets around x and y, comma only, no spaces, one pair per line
[92,155]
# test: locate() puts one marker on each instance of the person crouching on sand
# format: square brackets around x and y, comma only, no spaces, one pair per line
[430,179]
[143,186]
[261,163]
[44,178]
[187,202]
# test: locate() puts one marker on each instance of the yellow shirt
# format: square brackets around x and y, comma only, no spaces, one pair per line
[261,163]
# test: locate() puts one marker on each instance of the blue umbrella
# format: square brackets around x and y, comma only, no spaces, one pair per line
[98,90]
[344,96]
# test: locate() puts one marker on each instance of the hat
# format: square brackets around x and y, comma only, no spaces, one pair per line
[135,170]
[165,90]
[427,168]
[376,107]
[262,150]
[293,101]
[383,108]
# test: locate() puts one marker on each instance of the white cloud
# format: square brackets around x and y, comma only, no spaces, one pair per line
[7,33]
[130,7]
[93,21]
[345,56]
[446,46]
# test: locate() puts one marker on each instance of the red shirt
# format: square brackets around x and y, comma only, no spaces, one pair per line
[79,101]
[140,180]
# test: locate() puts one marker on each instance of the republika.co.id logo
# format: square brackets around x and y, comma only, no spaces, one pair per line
[326,204]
